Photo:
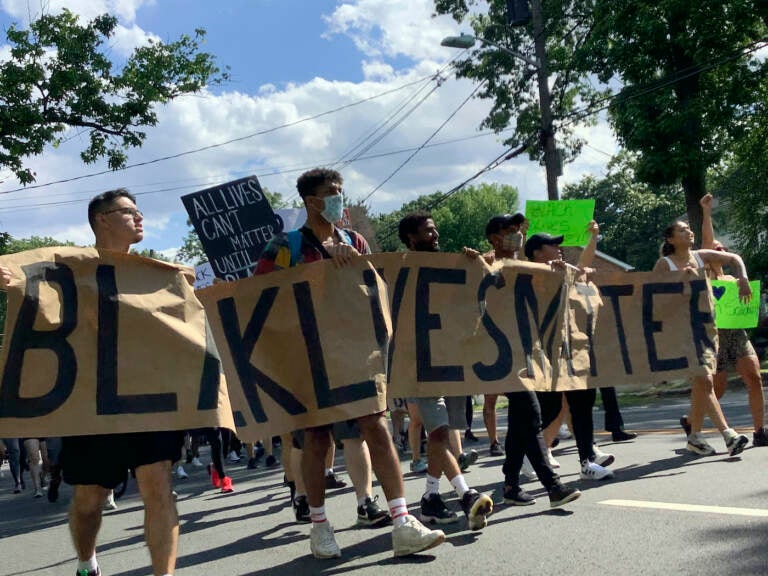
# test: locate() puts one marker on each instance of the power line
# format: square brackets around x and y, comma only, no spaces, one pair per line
[219,144]
[420,148]
[214,181]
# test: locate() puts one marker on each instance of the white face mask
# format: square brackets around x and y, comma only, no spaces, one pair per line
[334,208]
[512,241]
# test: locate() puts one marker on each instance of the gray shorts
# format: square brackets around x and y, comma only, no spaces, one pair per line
[441,411]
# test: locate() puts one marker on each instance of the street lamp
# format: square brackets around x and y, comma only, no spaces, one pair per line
[547,132]
[467,41]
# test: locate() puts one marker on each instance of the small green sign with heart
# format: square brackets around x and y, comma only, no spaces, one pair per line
[730,312]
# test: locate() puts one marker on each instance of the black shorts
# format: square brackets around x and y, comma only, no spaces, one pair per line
[105,459]
[346,430]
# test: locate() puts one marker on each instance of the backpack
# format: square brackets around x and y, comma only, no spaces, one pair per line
[294,242]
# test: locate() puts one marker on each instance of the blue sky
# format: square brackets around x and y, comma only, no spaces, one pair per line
[289,60]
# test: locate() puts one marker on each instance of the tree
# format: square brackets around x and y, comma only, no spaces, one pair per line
[690,82]
[58,77]
[740,188]
[509,80]
[632,215]
[192,249]
[460,219]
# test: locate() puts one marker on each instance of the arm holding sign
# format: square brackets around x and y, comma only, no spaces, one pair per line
[588,254]
[716,258]
[707,230]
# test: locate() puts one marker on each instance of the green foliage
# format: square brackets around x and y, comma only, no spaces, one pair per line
[460,219]
[58,77]
[191,250]
[743,195]
[689,85]
[631,215]
[511,83]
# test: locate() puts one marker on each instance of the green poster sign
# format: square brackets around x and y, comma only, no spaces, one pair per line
[567,217]
[730,312]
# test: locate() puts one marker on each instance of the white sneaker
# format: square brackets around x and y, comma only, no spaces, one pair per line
[698,445]
[196,463]
[181,474]
[592,471]
[527,471]
[413,537]
[322,542]
[109,502]
[234,457]
[551,459]
[564,433]
[602,458]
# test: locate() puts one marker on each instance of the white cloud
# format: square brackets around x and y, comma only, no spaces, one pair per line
[26,10]
[280,155]
[393,28]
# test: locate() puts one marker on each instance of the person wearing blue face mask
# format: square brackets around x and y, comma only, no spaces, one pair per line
[318,239]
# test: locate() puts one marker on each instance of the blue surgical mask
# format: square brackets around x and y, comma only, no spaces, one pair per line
[334,208]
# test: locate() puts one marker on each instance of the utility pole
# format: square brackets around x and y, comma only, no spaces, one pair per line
[547,132]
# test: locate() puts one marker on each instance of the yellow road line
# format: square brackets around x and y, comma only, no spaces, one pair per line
[756,512]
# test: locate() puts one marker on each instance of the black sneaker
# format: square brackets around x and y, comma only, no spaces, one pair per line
[476,507]
[517,496]
[332,481]
[685,424]
[53,488]
[623,436]
[469,436]
[560,495]
[301,509]
[736,444]
[271,461]
[466,459]
[760,438]
[371,514]
[434,510]
[496,449]
[252,463]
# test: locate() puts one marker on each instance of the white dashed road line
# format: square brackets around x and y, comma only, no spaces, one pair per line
[756,512]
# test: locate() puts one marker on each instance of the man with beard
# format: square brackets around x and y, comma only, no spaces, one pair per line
[440,414]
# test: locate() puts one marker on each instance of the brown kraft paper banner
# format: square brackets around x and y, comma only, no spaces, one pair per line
[101,342]
[302,347]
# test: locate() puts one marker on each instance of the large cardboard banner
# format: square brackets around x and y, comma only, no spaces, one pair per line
[302,347]
[100,342]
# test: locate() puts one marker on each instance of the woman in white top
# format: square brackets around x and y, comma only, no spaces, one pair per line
[677,254]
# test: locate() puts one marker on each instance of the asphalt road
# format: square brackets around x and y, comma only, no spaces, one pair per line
[666,512]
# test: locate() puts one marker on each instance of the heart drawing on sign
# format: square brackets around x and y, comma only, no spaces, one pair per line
[718,291]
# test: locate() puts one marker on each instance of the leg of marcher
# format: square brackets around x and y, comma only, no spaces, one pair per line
[161,521]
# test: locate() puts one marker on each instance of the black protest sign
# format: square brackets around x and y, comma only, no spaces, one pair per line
[100,342]
[234,222]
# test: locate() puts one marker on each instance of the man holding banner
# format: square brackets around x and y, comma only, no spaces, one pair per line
[440,415]
[318,239]
[524,436]
[96,464]
[545,249]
